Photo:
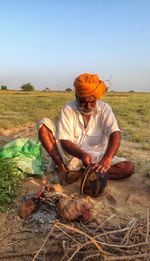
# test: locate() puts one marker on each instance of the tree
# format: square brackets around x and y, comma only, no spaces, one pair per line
[27,87]
[131,91]
[3,87]
[46,89]
[68,90]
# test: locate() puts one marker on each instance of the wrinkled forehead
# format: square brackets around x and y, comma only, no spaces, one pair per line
[90,98]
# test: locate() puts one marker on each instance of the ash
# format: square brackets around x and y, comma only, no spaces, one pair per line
[41,221]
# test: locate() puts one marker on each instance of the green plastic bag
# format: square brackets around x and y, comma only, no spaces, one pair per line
[26,153]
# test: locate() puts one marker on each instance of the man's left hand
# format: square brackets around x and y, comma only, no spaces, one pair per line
[103,165]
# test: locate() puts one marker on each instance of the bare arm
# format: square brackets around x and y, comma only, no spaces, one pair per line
[113,144]
[49,143]
[75,151]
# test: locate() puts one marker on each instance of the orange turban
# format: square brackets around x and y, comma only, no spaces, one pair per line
[89,84]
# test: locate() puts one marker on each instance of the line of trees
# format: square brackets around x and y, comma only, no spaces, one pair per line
[25,87]
[29,87]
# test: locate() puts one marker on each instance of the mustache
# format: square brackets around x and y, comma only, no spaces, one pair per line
[85,111]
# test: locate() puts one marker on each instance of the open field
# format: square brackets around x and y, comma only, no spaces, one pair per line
[20,109]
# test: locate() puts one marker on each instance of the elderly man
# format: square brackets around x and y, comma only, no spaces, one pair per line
[87,133]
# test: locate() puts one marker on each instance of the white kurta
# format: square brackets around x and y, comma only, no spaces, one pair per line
[93,139]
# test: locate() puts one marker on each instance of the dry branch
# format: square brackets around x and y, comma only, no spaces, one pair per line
[45,241]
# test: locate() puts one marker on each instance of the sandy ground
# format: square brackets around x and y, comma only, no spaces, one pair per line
[122,199]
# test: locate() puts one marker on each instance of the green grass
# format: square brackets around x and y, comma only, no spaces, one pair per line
[133,114]
[22,108]
[10,178]
[19,109]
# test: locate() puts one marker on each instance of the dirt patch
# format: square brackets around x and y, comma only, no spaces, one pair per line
[7,135]
[134,150]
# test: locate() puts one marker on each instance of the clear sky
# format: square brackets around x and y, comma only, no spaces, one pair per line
[50,42]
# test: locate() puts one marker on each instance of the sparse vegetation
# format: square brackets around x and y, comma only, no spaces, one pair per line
[4,87]
[68,90]
[10,178]
[20,109]
[27,87]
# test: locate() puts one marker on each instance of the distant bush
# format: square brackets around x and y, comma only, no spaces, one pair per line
[46,89]
[68,90]
[3,87]
[131,91]
[27,87]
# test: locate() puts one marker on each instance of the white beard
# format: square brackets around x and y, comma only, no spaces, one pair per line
[85,113]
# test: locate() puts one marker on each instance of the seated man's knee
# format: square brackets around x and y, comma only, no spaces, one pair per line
[128,168]
[45,126]
[44,131]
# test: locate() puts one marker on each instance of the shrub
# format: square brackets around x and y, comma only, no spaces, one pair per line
[68,90]
[3,87]
[27,87]
[10,178]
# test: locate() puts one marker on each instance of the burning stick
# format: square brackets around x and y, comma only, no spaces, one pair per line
[30,205]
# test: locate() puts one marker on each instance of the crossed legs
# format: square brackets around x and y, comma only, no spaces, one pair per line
[120,170]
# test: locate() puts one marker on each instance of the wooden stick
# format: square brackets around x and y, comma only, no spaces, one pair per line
[13,243]
[78,249]
[147,232]
[45,241]
[2,238]
[67,234]
[129,231]
[74,229]
[14,255]
[123,246]
[91,256]
[129,257]
[114,231]
[104,222]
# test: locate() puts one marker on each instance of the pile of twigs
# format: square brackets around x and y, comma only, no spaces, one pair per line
[80,241]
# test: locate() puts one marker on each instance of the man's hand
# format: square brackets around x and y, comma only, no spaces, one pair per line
[103,165]
[62,173]
[86,159]
[75,151]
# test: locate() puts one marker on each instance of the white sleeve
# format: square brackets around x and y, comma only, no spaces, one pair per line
[109,122]
[65,124]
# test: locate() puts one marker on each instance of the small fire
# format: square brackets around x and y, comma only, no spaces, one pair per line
[44,180]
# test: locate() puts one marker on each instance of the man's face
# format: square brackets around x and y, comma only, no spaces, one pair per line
[86,105]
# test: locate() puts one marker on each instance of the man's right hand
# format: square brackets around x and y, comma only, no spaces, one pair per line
[75,151]
[86,159]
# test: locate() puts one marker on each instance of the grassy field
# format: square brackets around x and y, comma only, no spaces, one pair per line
[19,109]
